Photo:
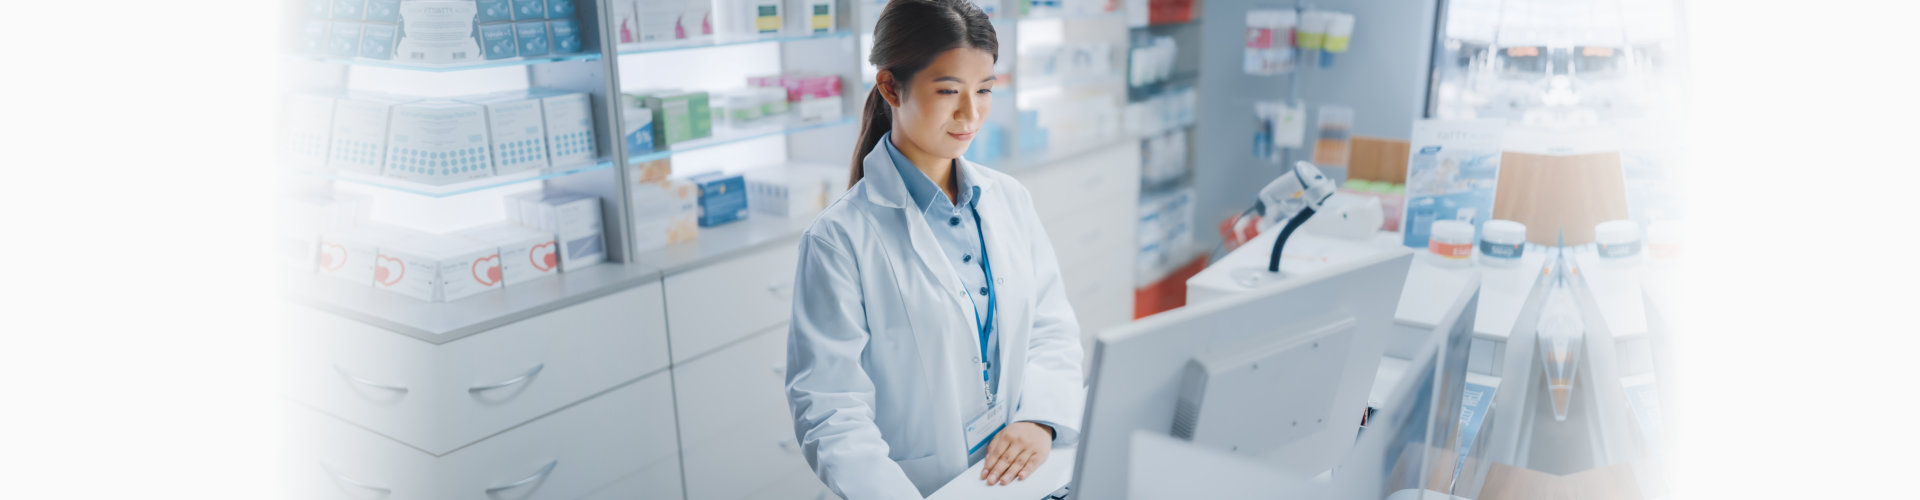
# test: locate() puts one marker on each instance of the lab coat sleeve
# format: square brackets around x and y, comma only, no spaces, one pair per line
[1052,392]
[829,392]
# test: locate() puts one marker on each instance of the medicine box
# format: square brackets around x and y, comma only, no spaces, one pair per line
[626,23]
[663,21]
[348,256]
[794,190]
[665,212]
[359,132]
[396,267]
[308,122]
[438,142]
[554,211]
[516,131]
[386,11]
[497,42]
[559,9]
[464,266]
[493,11]
[566,35]
[569,118]
[525,254]
[723,198]
[579,250]
[813,16]
[343,39]
[679,116]
[349,9]
[697,18]
[639,133]
[376,41]
[313,38]
[532,37]
[529,9]
[764,16]
[655,170]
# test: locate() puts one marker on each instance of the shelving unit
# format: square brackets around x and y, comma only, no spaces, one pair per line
[502,63]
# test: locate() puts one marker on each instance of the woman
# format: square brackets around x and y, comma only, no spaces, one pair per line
[931,330]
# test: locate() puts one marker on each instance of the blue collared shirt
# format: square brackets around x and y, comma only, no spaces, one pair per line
[960,238]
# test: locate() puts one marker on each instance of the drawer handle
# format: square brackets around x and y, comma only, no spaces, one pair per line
[508,382]
[527,480]
[401,390]
[783,290]
[343,479]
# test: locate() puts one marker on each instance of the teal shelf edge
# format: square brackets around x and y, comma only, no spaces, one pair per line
[735,136]
[376,63]
[631,49]
[448,190]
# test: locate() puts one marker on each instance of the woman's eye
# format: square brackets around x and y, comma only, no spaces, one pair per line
[986,91]
[949,92]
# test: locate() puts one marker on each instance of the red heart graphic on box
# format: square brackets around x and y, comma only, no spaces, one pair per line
[332,256]
[388,275]
[543,257]
[493,270]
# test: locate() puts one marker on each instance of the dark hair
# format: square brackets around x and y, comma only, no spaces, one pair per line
[909,34]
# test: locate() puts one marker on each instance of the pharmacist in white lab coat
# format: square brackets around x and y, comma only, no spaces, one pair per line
[930,327]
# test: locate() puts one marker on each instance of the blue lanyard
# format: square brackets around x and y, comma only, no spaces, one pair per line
[986,327]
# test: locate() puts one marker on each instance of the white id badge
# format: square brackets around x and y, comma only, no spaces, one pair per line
[982,429]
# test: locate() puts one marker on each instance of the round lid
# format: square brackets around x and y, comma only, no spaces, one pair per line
[1503,231]
[1616,231]
[1453,230]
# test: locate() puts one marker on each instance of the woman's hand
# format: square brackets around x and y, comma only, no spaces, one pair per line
[1019,449]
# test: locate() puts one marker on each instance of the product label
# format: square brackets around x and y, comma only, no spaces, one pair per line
[822,18]
[1619,250]
[1500,250]
[767,19]
[532,37]
[1450,250]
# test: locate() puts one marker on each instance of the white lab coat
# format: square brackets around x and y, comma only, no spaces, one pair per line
[882,368]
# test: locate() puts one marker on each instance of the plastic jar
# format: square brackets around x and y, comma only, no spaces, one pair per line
[1451,242]
[1502,242]
[1618,241]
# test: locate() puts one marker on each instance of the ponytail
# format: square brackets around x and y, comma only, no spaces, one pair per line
[875,121]
[907,37]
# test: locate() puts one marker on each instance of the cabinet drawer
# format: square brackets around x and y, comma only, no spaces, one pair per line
[751,455]
[718,391]
[568,454]
[1099,242]
[660,480]
[1099,180]
[729,300]
[441,397]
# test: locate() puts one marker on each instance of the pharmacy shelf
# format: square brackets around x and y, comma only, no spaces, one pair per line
[647,48]
[1043,160]
[1075,16]
[728,135]
[1046,83]
[443,191]
[717,244]
[502,63]
[442,322]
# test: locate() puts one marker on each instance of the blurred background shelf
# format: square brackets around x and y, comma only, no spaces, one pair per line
[501,63]
[646,48]
[443,191]
[442,322]
[729,135]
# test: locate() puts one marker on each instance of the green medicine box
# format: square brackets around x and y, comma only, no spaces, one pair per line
[678,116]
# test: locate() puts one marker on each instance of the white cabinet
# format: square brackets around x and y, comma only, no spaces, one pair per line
[1088,208]
[729,300]
[626,435]
[734,422]
[439,398]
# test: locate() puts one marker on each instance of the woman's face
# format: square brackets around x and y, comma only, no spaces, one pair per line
[943,107]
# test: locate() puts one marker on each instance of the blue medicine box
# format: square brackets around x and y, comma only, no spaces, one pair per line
[376,41]
[343,39]
[386,11]
[532,36]
[524,10]
[496,40]
[723,198]
[349,9]
[493,11]
[566,36]
[559,9]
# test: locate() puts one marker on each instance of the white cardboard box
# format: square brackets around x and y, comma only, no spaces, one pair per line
[516,127]
[569,124]
[438,267]
[665,212]
[309,124]
[359,132]
[793,190]
[579,250]
[349,256]
[525,254]
[438,142]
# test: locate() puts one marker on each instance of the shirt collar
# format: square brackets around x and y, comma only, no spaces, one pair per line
[925,193]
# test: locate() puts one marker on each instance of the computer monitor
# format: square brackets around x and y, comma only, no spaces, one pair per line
[1409,448]
[1321,334]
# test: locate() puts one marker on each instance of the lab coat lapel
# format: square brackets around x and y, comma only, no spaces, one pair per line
[886,188]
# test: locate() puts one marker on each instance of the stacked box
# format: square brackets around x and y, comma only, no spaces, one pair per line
[573,218]
[525,254]
[569,122]
[517,132]
[666,211]
[309,123]
[438,142]
[792,191]
[359,132]
[678,116]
